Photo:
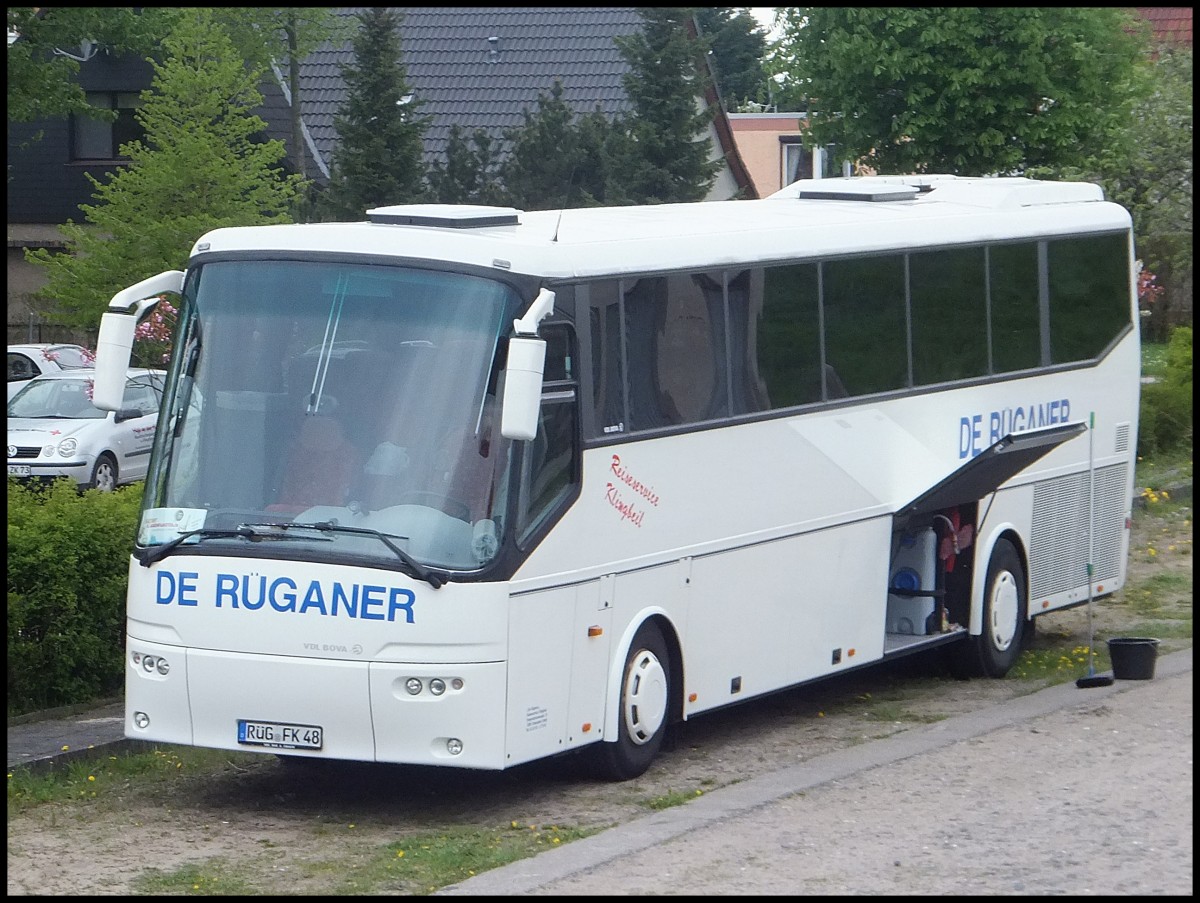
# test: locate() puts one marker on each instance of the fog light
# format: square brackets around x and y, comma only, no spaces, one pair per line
[437,686]
[454,746]
[413,686]
[162,667]
[148,662]
[141,719]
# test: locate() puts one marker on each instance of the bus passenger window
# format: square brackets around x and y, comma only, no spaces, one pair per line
[866,336]
[787,336]
[608,372]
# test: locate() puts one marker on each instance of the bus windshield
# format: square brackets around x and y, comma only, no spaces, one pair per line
[338,394]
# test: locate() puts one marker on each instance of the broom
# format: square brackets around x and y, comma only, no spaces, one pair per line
[1092,679]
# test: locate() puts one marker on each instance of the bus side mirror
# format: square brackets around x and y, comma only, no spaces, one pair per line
[114,345]
[523,373]
[522,387]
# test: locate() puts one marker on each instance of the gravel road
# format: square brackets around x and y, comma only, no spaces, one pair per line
[1067,792]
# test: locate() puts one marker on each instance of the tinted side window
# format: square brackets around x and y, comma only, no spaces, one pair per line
[788,338]
[745,310]
[1089,295]
[1013,282]
[20,367]
[866,337]
[675,349]
[949,315]
[608,372]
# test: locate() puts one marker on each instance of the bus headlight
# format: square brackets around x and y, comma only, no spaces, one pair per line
[152,663]
[454,746]
[413,686]
[437,686]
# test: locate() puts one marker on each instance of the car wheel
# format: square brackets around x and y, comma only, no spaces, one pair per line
[644,708]
[104,474]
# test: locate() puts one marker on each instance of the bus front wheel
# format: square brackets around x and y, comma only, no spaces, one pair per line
[644,707]
[1005,600]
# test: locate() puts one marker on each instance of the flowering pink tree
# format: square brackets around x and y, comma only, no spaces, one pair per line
[89,356]
[1148,288]
[152,338]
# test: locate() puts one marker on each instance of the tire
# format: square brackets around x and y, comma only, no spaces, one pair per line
[1005,604]
[645,703]
[104,474]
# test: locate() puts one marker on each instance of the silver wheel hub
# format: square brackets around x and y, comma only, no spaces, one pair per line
[645,697]
[1004,607]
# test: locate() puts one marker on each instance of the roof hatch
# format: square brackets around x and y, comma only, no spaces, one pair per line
[447,216]
[859,191]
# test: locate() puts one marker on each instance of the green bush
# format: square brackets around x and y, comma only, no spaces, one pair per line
[1165,420]
[68,565]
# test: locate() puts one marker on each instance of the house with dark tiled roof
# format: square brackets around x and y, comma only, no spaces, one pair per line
[481,67]
[477,67]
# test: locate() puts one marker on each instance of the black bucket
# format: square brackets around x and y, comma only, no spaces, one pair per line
[1133,657]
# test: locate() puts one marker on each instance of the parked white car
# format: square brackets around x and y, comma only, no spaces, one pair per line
[54,430]
[27,361]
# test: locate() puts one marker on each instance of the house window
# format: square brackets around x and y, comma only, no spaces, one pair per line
[95,139]
[797,163]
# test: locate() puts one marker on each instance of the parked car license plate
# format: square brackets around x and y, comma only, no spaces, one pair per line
[280,736]
[18,470]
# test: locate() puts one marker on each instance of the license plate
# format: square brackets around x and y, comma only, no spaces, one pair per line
[18,470]
[280,736]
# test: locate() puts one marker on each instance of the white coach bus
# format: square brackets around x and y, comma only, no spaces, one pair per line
[472,486]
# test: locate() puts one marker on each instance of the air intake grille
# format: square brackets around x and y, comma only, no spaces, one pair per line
[1122,438]
[1060,531]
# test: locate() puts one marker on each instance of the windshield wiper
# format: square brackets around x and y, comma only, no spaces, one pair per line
[156,553]
[432,578]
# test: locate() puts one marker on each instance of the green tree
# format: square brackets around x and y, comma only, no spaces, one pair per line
[202,166]
[963,90]
[664,156]
[379,156]
[470,174]
[556,160]
[739,46]
[42,81]
[1147,168]
[283,36]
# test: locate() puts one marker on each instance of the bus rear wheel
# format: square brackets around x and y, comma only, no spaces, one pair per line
[1005,601]
[644,708]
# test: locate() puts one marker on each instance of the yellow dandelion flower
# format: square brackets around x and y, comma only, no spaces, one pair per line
[1165,494]
[1151,552]
[557,840]
[515,825]
[91,777]
[399,854]
[820,714]
[65,747]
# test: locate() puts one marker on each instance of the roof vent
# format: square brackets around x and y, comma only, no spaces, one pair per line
[860,192]
[447,216]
